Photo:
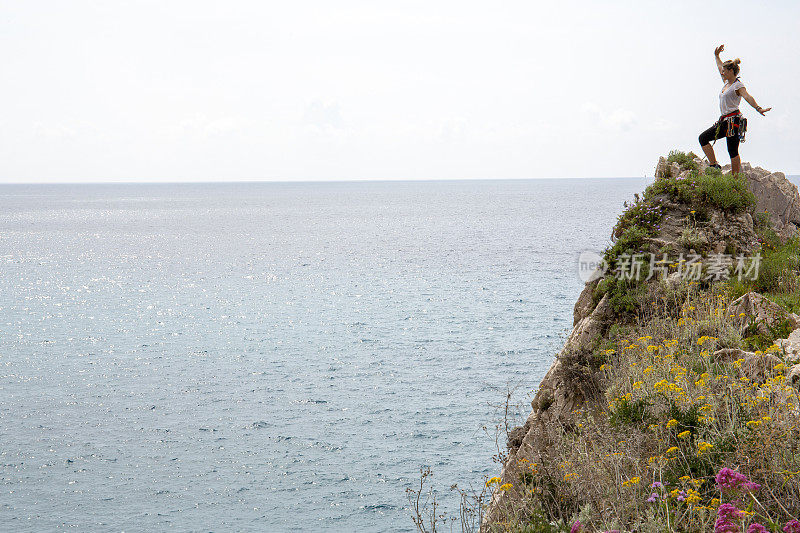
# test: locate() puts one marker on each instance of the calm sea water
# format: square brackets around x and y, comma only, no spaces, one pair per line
[273,357]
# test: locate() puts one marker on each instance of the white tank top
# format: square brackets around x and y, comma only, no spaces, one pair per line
[728,99]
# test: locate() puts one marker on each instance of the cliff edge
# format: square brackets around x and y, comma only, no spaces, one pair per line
[691,319]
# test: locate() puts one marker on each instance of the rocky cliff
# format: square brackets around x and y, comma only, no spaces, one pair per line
[690,213]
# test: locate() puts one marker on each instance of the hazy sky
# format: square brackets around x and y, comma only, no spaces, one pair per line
[179,90]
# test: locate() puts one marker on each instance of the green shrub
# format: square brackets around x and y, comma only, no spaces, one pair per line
[629,413]
[686,161]
[757,340]
[789,301]
[644,214]
[705,190]
[624,294]
[630,241]
[729,193]
[776,272]
[678,190]
[687,420]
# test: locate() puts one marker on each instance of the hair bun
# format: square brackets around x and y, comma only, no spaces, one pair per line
[737,61]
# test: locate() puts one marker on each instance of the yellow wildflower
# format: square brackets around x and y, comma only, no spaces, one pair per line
[631,481]
[703,447]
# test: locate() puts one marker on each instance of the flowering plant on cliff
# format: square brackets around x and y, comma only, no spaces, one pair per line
[728,480]
[666,386]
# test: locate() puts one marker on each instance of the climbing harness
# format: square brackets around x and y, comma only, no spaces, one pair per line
[734,123]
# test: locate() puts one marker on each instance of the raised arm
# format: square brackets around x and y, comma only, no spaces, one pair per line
[717,51]
[750,100]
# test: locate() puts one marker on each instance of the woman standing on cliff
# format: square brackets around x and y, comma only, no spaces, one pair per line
[730,123]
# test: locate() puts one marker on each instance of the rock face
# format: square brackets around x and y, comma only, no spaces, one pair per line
[755,311]
[722,231]
[567,385]
[791,346]
[558,395]
[754,366]
[777,196]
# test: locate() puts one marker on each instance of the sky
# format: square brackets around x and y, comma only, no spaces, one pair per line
[195,90]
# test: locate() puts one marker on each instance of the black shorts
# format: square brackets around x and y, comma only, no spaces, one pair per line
[720,130]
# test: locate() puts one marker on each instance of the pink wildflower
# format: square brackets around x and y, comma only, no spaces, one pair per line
[576,527]
[727,519]
[792,526]
[757,528]
[728,479]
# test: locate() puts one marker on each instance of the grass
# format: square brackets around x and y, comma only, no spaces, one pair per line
[709,189]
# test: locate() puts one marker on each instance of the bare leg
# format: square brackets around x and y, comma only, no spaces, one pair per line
[709,151]
[736,165]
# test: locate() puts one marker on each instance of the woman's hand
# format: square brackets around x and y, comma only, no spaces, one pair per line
[742,91]
[718,50]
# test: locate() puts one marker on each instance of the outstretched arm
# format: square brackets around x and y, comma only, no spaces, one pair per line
[750,100]
[717,51]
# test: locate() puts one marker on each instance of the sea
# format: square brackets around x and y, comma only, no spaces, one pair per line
[276,356]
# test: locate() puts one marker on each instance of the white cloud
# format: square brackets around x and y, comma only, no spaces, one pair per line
[617,120]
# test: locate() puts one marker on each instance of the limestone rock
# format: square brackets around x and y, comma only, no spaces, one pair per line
[791,345]
[755,367]
[585,304]
[722,231]
[775,195]
[729,355]
[558,391]
[754,309]
[732,230]
[758,367]
[793,376]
